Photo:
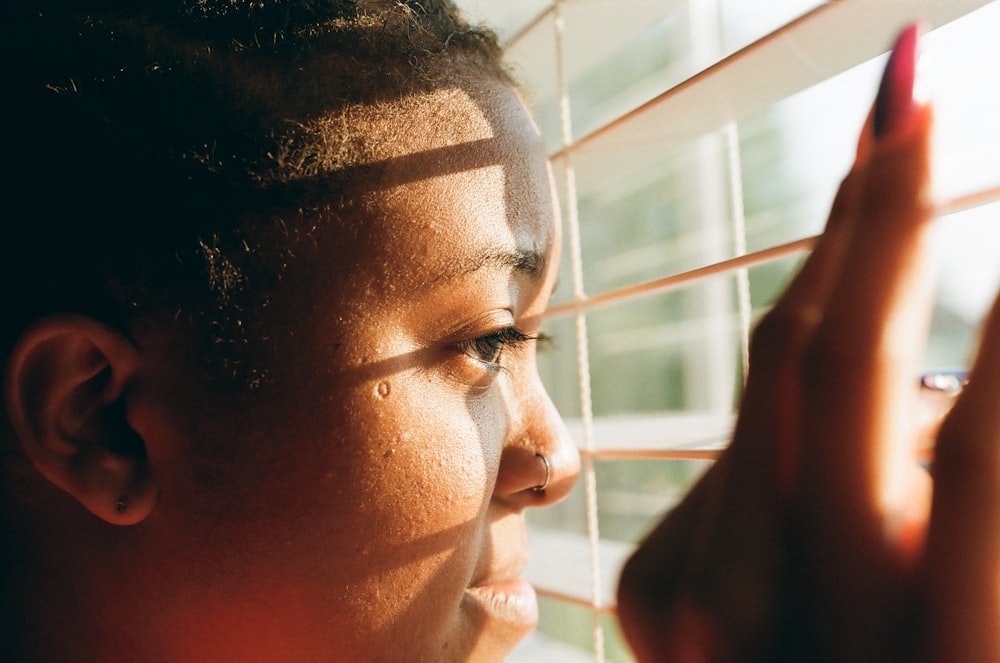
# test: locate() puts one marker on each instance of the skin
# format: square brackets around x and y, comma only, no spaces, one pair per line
[349,510]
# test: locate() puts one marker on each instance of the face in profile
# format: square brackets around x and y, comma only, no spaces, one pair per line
[369,504]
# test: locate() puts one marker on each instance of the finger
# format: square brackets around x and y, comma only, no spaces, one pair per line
[858,367]
[963,543]
[856,378]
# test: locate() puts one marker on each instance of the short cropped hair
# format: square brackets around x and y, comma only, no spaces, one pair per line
[168,157]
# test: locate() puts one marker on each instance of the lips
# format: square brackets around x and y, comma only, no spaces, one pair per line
[511,600]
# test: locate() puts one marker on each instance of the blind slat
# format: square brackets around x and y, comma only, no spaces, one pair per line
[827,41]
[958,204]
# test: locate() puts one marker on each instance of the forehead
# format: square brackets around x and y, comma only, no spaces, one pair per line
[463,176]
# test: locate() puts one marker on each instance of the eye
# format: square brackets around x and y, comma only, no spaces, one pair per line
[488,349]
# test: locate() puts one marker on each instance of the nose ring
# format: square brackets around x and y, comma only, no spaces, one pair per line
[548,474]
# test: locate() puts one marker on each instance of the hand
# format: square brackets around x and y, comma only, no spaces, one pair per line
[817,535]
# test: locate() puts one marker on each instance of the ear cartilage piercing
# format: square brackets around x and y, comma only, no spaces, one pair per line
[548,474]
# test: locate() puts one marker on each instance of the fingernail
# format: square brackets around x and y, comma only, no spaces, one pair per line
[899,96]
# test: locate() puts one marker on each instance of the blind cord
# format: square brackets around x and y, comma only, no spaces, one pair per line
[582,351]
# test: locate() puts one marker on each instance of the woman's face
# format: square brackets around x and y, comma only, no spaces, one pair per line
[371,505]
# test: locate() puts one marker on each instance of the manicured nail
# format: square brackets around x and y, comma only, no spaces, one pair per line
[898,94]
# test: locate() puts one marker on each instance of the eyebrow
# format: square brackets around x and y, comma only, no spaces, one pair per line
[531,263]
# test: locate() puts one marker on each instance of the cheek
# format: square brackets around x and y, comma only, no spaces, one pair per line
[415,474]
[402,468]
[433,451]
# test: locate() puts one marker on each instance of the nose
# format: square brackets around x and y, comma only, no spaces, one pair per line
[539,463]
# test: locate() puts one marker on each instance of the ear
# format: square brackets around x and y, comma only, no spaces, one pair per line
[66,387]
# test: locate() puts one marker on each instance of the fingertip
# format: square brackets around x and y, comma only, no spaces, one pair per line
[902,90]
[902,109]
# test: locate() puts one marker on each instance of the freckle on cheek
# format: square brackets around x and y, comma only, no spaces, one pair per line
[382,390]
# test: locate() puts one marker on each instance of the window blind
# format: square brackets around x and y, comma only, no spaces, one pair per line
[697,145]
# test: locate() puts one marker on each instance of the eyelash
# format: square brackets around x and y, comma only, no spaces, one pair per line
[489,348]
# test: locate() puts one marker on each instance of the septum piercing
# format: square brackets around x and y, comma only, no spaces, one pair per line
[548,474]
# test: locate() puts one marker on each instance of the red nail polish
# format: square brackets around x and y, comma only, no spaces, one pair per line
[896,103]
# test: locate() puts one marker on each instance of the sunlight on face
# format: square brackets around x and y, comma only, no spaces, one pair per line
[380,487]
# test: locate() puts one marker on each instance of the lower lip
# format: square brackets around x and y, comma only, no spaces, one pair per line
[513,602]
